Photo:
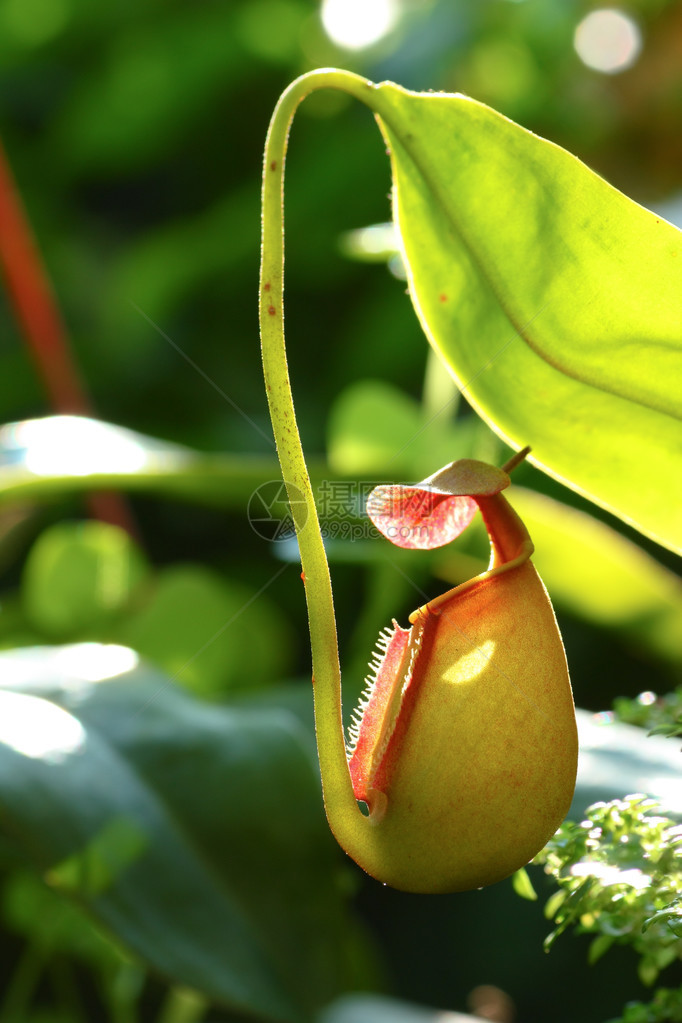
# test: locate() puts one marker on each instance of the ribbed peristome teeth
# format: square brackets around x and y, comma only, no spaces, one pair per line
[374,719]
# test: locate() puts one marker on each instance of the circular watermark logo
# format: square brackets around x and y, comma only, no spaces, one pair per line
[269,510]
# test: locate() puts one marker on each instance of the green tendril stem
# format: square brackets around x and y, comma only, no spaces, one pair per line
[338,792]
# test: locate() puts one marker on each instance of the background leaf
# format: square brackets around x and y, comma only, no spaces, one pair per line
[79,575]
[207,632]
[41,458]
[376,1009]
[376,430]
[195,834]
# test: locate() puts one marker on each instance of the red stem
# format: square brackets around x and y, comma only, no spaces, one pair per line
[34,303]
[38,316]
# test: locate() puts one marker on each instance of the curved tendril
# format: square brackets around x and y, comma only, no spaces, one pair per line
[337,789]
[345,817]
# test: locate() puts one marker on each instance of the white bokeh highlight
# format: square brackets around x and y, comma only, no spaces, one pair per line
[39,729]
[608,40]
[357,24]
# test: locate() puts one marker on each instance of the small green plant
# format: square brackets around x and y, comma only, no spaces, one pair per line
[619,877]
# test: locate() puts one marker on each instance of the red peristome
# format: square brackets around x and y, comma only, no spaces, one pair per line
[369,730]
[418,518]
[424,631]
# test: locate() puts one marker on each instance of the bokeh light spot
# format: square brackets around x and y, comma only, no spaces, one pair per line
[608,40]
[355,24]
[75,446]
[604,717]
[94,662]
[37,728]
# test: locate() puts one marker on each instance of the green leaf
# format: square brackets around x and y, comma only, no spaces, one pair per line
[193,833]
[375,430]
[554,903]
[598,947]
[523,885]
[647,972]
[40,914]
[555,300]
[208,632]
[671,915]
[78,575]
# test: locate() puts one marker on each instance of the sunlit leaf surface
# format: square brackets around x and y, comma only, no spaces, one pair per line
[556,300]
[44,457]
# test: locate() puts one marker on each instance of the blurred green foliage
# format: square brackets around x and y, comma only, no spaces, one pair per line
[619,880]
[135,133]
[661,715]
